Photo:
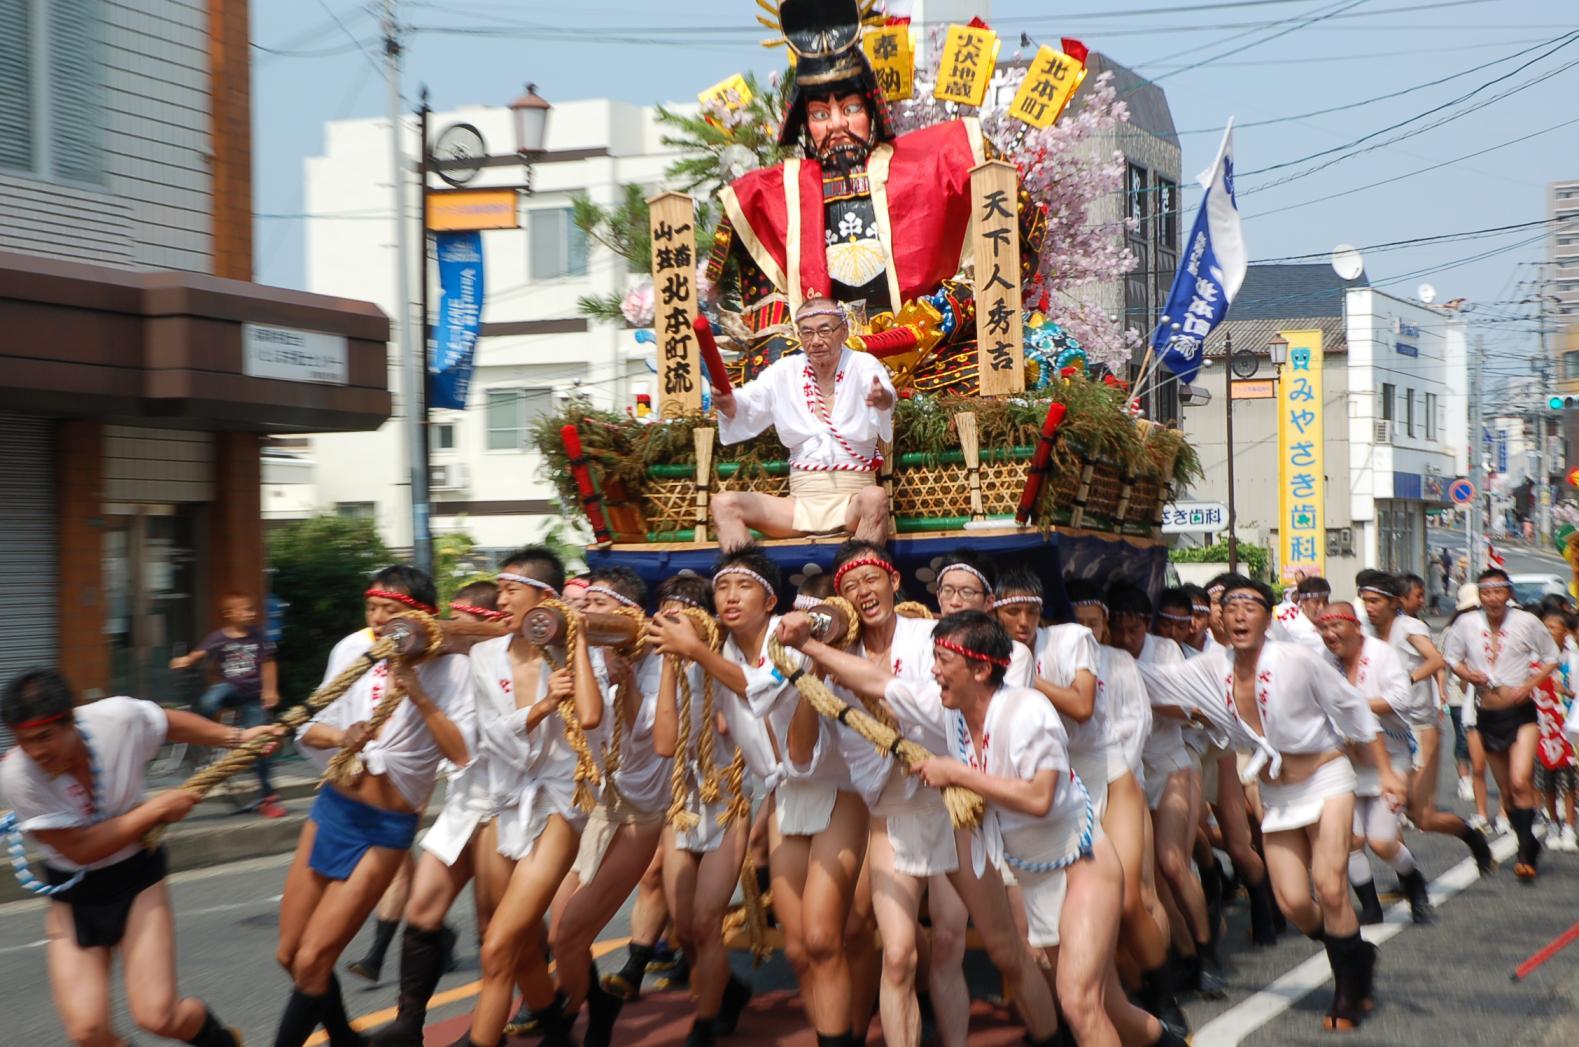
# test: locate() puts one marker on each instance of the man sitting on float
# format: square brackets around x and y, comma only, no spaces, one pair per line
[830,406]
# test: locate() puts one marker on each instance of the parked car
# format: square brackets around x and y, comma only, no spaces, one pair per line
[1530,589]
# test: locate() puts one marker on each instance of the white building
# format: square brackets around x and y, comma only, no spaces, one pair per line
[1395,401]
[535,348]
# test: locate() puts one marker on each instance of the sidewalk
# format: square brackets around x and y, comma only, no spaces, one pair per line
[215,833]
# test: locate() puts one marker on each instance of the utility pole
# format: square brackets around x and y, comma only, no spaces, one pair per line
[1228,434]
[1474,527]
[413,365]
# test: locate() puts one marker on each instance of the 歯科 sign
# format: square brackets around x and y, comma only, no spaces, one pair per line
[1194,517]
[1301,460]
[674,304]
[287,354]
[1000,340]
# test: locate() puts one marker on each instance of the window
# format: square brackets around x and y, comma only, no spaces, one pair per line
[49,89]
[511,413]
[1387,401]
[1571,366]
[1567,194]
[1137,306]
[1430,416]
[356,510]
[1409,412]
[1139,202]
[1162,277]
[444,436]
[558,246]
[1571,262]
[1167,213]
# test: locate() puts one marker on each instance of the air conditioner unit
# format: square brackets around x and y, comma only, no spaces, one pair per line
[448,477]
[1383,433]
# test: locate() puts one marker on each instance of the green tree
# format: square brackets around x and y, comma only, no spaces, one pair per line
[321,566]
[1254,559]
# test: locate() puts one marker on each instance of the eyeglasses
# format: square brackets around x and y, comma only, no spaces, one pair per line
[961,591]
[820,333]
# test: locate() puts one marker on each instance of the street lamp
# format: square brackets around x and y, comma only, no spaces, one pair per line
[1277,350]
[530,116]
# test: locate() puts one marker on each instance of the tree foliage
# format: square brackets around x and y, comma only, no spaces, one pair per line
[321,567]
[1255,559]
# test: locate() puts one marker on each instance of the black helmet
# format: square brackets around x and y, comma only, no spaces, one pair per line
[825,38]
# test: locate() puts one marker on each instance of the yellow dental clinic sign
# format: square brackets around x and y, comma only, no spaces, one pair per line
[1301,462]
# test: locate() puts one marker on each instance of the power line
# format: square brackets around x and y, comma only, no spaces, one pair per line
[350,35]
[322,52]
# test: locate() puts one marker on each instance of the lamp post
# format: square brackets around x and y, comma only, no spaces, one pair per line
[1277,352]
[529,115]
[1228,433]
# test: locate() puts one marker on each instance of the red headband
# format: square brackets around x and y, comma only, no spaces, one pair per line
[1338,616]
[480,612]
[960,649]
[410,601]
[860,561]
[39,721]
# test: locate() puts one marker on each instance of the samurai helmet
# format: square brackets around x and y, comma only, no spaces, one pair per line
[825,38]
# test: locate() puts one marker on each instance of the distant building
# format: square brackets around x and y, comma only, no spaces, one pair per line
[142,367]
[1394,392]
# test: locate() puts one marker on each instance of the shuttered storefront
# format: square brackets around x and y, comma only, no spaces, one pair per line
[27,548]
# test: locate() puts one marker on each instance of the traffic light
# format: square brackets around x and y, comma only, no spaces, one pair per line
[1562,403]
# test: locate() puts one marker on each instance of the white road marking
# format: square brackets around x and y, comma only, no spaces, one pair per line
[1233,1025]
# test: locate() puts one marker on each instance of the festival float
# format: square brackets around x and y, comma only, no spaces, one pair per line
[957,238]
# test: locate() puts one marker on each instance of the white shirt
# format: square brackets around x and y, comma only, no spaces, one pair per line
[404,751]
[1422,710]
[724,702]
[1306,705]
[123,734]
[1302,630]
[782,397]
[1164,747]
[1380,674]
[1061,652]
[1122,692]
[1525,645]
[1021,737]
[910,657]
[643,778]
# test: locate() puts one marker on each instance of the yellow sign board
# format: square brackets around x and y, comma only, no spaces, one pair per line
[1048,85]
[1301,460]
[468,210]
[965,69]
[732,94]
[892,60]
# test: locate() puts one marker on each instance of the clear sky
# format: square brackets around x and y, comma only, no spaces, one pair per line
[1272,64]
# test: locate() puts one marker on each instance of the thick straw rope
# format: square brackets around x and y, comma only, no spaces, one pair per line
[679,814]
[912,609]
[965,808]
[587,776]
[244,756]
[346,766]
[611,752]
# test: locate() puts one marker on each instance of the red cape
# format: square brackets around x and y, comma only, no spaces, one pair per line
[922,178]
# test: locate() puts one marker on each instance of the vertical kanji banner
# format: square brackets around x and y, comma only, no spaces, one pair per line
[674,304]
[1301,461]
[1000,340]
[460,263]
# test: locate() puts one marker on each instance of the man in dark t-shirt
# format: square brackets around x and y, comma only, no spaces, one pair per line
[242,658]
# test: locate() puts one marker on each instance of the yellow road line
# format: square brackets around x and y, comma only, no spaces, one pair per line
[449,996]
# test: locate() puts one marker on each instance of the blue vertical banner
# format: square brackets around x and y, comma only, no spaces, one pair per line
[1210,271]
[460,317]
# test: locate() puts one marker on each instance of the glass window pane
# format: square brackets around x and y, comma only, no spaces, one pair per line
[546,236]
[576,262]
[16,84]
[504,428]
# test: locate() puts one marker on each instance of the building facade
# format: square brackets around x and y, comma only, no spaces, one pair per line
[142,366]
[1394,390]
[535,348]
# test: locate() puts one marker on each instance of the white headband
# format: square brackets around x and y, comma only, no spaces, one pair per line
[1088,603]
[1004,601]
[986,585]
[1165,616]
[806,603]
[1200,608]
[510,576]
[1378,592]
[1494,583]
[617,597]
[686,600]
[825,307]
[747,572]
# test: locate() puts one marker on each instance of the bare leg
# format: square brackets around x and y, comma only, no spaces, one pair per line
[1124,824]
[832,868]
[1088,929]
[1175,831]
[699,887]
[1477,772]
[393,904]
[79,980]
[434,888]
[592,906]
[1288,856]
[789,857]
[341,910]
[896,898]
[735,513]
[946,967]
[867,516]
[860,949]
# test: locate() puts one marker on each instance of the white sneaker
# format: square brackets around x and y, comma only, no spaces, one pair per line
[1554,833]
[1500,826]
[1466,791]
[1569,841]
[1477,822]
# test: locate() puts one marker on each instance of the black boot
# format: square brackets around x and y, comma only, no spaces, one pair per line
[677,976]
[737,994]
[1523,822]
[1262,905]
[1208,983]
[1156,998]
[213,1034]
[626,982]
[448,940]
[1413,883]
[421,966]
[372,965]
[1370,910]
[1212,887]
[1170,1038]
[1475,840]
[603,1009]
[557,1026]
[302,1015]
[703,1031]
[528,1022]
[336,1022]
[1346,1011]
